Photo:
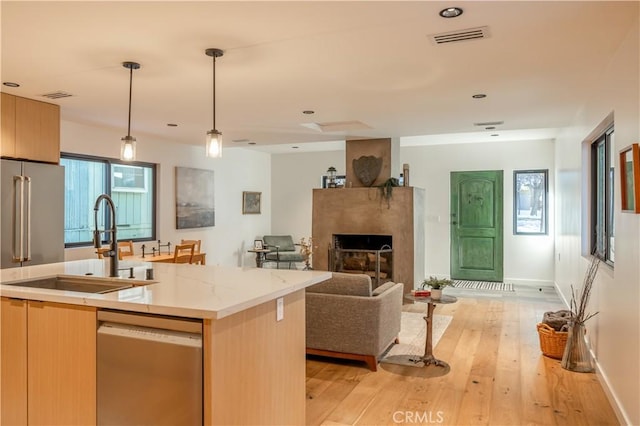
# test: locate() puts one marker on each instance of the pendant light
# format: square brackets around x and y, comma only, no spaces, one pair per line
[214,137]
[128,143]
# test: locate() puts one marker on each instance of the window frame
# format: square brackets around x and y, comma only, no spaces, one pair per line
[545,210]
[108,184]
[602,247]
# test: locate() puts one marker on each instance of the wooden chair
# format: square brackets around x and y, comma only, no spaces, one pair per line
[183,253]
[100,252]
[125,248]
[198,259]
[196,243]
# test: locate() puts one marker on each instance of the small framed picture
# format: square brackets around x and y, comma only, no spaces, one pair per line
[251,202]
[258,245]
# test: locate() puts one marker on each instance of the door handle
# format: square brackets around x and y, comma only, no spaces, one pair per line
[454,223]
[18,219]
[28,179]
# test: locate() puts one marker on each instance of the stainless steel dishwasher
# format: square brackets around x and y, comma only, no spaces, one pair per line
[149,369]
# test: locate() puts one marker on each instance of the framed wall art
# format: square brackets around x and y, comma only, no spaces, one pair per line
[251,202]
[630,178]
[194,198]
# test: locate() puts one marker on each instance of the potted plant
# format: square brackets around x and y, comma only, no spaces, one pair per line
[436,285]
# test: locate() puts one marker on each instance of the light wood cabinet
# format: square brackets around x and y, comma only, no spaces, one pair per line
[30,129]
[8,135]
[55,351]
[13,362]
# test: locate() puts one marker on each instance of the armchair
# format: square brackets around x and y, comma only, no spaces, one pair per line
[283,250]
[346,319]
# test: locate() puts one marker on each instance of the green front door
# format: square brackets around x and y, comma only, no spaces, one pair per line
[476,225]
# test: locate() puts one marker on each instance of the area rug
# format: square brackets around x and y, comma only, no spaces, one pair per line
[483,285]
[412,337]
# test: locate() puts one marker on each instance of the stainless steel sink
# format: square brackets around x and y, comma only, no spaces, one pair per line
[83,285]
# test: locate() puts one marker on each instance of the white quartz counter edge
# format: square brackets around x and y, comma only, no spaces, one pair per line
[182,290]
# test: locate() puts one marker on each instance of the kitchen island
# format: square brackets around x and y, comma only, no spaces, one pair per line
[253,362]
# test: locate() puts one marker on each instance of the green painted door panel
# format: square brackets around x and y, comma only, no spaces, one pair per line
[477,225]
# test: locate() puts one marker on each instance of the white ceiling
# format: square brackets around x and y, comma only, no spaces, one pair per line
[367,61]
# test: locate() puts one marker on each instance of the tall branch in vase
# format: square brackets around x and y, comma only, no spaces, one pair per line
[306,250]
[576,355]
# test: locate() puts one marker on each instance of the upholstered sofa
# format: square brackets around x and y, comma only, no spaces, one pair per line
[345,318]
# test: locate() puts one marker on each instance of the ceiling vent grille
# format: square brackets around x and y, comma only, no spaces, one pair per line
[489,123]
[57,95]
[460,35]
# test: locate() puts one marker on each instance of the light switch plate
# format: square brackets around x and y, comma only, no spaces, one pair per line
[280,309]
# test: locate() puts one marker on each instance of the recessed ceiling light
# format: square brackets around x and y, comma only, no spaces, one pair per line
[451,12]
[172,125]
[11,84]
[308,112]
[479,96]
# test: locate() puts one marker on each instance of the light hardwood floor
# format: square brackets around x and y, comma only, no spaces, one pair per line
[497,374]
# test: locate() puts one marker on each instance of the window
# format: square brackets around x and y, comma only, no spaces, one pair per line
[602,175]
[131,186]
[530,209]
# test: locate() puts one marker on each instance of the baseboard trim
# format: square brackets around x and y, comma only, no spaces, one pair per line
[620,413]
[530,283]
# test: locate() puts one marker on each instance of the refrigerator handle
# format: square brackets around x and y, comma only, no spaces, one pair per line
[28,239]
[18,228]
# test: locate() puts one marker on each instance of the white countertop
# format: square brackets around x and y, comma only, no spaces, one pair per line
[192,291]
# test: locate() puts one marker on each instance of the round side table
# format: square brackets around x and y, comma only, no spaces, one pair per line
[428,357]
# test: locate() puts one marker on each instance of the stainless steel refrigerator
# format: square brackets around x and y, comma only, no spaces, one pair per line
[32,216]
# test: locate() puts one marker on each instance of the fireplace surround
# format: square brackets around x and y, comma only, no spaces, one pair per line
[350,212]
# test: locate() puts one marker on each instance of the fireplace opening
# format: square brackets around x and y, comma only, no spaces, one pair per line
[363,254]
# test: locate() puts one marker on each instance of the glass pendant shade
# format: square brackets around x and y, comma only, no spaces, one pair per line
[128,143]
[128,148]
[214,144]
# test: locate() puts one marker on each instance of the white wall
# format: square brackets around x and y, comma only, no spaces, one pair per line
[527,258]
[615,332]
[238,170]
[293,176]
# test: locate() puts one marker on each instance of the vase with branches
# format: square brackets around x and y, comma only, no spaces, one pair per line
[576,355]
[306,250]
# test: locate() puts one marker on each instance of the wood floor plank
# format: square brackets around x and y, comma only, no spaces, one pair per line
[497,375]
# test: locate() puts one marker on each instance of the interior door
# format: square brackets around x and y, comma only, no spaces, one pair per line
[477,225]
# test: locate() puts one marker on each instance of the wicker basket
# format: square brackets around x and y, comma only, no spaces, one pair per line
[552,342]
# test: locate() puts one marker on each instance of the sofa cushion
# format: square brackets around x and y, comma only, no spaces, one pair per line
[345,284]
[382,288]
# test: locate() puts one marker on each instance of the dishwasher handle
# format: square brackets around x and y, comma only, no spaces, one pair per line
[185,325]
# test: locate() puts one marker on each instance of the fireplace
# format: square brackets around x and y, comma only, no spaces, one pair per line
[356,229]
[354,212]
[363,254]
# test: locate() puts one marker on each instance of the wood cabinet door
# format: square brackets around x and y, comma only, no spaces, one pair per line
[13,362]
[8,122]
[37,130]
[61,364]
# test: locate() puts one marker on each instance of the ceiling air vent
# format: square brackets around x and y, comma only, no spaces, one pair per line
[57,95]
[489,123]
[460,35]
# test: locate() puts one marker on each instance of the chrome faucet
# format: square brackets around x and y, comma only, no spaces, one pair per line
[113,239]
